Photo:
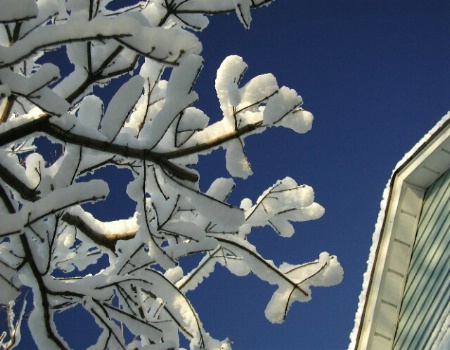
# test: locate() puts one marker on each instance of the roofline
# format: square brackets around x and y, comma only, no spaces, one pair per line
[399,183]
[434,133]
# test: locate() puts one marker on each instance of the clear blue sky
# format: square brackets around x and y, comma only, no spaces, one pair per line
[376,75]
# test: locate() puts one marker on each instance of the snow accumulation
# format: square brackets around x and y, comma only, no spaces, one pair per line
[129,271]
[379,225]
[54,201]
[22,10]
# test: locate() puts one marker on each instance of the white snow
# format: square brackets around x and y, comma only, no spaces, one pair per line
[228,75]
[257,89]
[90,112]
[283,202]
[107,228]
[191,121]
[34,87]
[10,291]
[281,105]
[54,201]
[236,160]
[71,31]
[120,106]
[5,91]
[137,275]
[326,271]
[243,12]
[13,10]
[179,96]
[221,188]
[215,210]
[167,45]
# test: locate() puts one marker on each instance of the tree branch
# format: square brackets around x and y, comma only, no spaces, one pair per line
[7,109]
[262,261]
[37,48]
[106,240]
[43,125]
[96,76]
[175,10]
[8,204]
[42,291]
[212,143]
[24,191]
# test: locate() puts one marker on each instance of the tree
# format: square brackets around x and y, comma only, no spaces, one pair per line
[127,102]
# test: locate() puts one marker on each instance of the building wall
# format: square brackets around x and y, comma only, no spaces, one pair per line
[426,301]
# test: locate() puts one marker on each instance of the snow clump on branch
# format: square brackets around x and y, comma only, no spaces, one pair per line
[63,123]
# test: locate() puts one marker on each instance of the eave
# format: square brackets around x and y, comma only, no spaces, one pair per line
[381,298]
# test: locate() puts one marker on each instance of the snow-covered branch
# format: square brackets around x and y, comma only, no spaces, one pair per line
[88,92]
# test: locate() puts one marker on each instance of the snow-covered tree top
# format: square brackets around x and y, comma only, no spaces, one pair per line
[62,119]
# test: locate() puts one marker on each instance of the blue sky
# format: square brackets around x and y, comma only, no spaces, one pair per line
[375,73]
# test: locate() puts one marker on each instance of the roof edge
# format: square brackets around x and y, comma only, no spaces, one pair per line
[385,206]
